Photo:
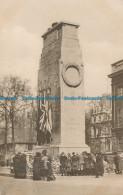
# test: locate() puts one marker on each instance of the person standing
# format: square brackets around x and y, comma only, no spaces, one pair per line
[92,164]
[80,163]
[63,162]
[74,159]
[23,165]
[17,165]
[117,161]
[69,164]
[86,164]
[45,160]
[37,167]
[99,165]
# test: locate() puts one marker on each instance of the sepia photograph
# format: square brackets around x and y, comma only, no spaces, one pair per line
[61,97]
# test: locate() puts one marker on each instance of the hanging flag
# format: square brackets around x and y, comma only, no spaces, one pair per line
[50,118]
[41,122]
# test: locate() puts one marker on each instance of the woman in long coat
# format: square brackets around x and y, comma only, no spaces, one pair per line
[92,164]
[86,164]
[69,164]
[37,167]
[23,166]
[17,165]
[118,163]
[99,165]
[80,164]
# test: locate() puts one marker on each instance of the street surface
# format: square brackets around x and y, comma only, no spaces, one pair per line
[110,184]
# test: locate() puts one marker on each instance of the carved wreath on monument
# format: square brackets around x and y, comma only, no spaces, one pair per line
[72,75]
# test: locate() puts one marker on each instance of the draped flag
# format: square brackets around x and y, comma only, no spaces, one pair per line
[42,119]
[50,119]
[45,118]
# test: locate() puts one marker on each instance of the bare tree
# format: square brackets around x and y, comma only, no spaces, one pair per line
[11,91]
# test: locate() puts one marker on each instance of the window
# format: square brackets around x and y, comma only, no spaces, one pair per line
[120,144]
[57,34]
[95,119]
[120,91]
[108,117]
[99,118]
[92,132]
[107,145]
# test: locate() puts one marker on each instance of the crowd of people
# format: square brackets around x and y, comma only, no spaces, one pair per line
[42,169]
[81,164]
[70,165]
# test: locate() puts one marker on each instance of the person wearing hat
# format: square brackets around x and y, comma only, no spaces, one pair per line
[99,165]
[46,161]
[37,167]
[17,165]
[23,164]
[117,161]
[74,159]
[63,162]
[80,163]
[69,165]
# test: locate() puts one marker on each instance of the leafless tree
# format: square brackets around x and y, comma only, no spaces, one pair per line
[12,89]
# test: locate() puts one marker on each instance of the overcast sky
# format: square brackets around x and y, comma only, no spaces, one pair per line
[22,22]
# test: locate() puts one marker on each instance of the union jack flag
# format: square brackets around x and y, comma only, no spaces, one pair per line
[45,116]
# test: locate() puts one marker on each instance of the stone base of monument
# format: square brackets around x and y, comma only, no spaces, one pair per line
[41,148]
[57,149]
[77,148]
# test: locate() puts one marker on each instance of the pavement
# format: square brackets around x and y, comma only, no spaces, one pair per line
[5,171]
[110,184]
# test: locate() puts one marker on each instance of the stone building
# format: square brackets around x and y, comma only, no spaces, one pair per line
[117,105]
[100,125]
[61,73]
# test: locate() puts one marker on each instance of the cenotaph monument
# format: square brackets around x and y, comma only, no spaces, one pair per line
[61,78]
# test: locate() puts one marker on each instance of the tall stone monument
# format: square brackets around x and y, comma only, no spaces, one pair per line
[62,71]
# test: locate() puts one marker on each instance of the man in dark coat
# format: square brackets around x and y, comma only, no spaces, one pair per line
[17,165]
[37,167]
[92,164]
[86,164]
[99,165]
[74,159]
[69,166]
[23,165]
[63,162]
[117,161]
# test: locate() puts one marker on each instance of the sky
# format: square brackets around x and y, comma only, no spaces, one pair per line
[22,22]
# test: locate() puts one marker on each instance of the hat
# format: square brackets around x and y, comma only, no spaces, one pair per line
[38,153]
[44,152]
[62,153]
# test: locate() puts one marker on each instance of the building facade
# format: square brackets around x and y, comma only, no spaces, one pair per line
[101,125]
[117,105]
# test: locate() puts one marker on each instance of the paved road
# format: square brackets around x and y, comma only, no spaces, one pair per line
[78,185]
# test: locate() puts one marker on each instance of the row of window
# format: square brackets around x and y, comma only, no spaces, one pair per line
[104,131]
[101,118]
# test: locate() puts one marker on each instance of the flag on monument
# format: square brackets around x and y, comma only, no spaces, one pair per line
[50,119]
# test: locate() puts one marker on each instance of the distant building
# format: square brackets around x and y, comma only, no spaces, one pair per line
[101,125]
[117,105]
[25,135]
